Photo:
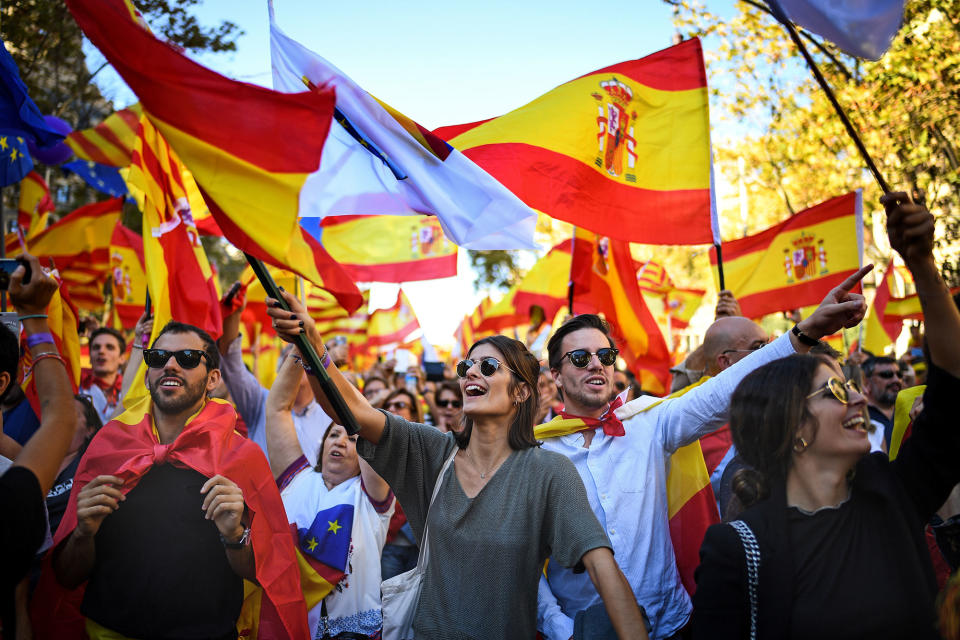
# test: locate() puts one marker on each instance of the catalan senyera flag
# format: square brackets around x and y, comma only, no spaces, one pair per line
[35,205]
[111,141]
[179,277]
[392,325]
[62,320]
[605,281]
[623,151]
[252,151]
[386,248]
[691,505]
[128,279]
[797,262]
[378,161]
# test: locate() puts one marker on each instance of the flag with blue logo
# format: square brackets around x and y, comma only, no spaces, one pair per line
[328,538]
[15,160]
[99,176]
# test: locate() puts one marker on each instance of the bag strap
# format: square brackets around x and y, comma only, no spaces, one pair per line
[751,551]
[423,555]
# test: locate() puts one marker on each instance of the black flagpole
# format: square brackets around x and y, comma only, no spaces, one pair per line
[720,265]
[309,354]
[781,17]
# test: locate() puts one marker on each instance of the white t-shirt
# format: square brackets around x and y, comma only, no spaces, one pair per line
[354,603]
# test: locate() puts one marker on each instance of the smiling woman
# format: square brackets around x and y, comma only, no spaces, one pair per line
[506,500]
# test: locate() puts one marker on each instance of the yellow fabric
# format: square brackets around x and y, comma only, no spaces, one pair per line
[901,416]
[375,240]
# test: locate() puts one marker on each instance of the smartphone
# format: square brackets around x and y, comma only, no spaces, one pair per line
[434,371]
[410,382]
[7,267]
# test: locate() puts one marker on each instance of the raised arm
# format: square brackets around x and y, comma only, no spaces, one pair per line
[283,446]
[289,324]
[141,335]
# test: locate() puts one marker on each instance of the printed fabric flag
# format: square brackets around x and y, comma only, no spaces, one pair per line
[34,207]
[179,278]
[623,151]
[378,161]
[386,248]
[62,320]
[797,262]
[327,540]
[502,315]
[110,142]
[862,29]
[229,134]
[468,332]
[605,281]
[671,306]
[128,279]
[334,320]
[393,325]
[546,284]
[15,160]
[101,177]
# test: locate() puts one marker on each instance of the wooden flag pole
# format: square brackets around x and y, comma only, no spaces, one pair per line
[777,13]
[309,354]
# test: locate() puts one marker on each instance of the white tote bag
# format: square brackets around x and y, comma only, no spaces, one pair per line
[399,595]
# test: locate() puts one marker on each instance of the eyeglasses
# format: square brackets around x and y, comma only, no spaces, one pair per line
[397,404]
[186,358]
[580,358]
[838,388]
[446,404]
[888,374]
[488,366]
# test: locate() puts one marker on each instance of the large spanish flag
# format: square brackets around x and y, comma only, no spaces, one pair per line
[128,279]
[35,205]
[251,150]
[111,141]
[623,151]
[386,248]
[393,325]
[797,262]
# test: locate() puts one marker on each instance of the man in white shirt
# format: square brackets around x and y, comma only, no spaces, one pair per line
[624,465]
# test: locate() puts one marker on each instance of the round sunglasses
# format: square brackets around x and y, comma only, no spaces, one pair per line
[838,389]
[580,358]
[488,366]
[186,358]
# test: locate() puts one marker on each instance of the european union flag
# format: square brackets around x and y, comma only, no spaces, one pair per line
[15,160]
[17,110]
[99,176]
[328,538]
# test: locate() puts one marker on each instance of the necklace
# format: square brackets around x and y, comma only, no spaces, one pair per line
[483,474]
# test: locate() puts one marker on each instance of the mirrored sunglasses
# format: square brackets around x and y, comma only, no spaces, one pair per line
[838,389]
[488,366]
[186,358]
[580,358]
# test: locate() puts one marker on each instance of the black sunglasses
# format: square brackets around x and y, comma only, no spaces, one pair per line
[887,375]
[488,366]
[186,358]
[580,358]
[446,404]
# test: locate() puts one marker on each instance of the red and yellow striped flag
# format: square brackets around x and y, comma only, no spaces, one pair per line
[111,141]
[467,331]
[229,135]
[128,279]
[62,320]
[547,282]
[623,151]
[35,205]
[797,262]
[393,325]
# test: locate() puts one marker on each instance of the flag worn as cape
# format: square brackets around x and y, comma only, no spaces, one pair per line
[623,151]
[252,151]
[127,447]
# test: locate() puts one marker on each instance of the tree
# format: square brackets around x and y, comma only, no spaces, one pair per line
[789,149]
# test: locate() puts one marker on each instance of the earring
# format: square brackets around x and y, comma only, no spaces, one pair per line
[799,445]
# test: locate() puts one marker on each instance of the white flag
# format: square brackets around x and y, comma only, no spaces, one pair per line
[862,28]
[392,172]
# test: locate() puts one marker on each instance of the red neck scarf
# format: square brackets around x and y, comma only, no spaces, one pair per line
[112,391]
[609,421]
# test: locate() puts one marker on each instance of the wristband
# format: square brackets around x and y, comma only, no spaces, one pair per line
[32,316]
[39,338]
[239,544]
[325,362]
[804,338]
[136,346]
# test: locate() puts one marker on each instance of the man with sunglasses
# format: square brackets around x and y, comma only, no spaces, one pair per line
[159,524]
[881,384]
[622,454]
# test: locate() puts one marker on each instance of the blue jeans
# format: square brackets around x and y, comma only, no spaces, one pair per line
[593,623]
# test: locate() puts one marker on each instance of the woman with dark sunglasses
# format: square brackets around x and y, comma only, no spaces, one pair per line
[832,542]
[503,506]
[448,406]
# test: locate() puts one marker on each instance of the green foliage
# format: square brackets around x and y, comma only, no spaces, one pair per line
[495,269]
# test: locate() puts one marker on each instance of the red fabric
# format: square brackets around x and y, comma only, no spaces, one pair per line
[397,520]
[688,526]
[112,391]
[208,444]
[609,421]
[715,446]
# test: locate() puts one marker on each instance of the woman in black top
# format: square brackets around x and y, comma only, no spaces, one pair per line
[839,533]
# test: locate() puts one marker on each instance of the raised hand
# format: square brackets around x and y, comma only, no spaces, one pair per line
[223,503]
[909,227]
[33,297]
[99,498]
[296,321]
[840,308]
[727,305]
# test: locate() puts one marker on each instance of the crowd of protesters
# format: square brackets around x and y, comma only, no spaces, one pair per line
[543,485]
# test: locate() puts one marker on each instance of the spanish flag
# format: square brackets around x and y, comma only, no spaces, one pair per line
[547,283]
[386,248]
[623,151]
[797,262]
[393,325]
[35,205]
[468,332]
[79,243]
[332,319]
[252,151]
[671,306]
[111,141]
[128,279]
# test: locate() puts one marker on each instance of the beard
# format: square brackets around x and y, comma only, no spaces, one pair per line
[590,401]
[192,394]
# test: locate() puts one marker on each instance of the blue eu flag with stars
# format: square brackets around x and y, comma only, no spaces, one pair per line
[328,538]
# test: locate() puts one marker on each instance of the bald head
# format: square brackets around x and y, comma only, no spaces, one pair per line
[730,339]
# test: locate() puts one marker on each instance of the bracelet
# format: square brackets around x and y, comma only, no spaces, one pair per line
[136,346]
[47,355]
[303,364]
[804,338]
[39,338]
[325,362]
[239,544]
[33,316]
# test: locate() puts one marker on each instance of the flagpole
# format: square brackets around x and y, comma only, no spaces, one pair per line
[720,265]
[777,13]
[573,246]
[307,351]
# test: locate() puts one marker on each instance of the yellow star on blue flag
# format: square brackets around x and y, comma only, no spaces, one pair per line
[327,540]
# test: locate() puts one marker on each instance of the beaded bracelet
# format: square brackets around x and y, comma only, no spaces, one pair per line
[46,355]
[32,316]
[39,338]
